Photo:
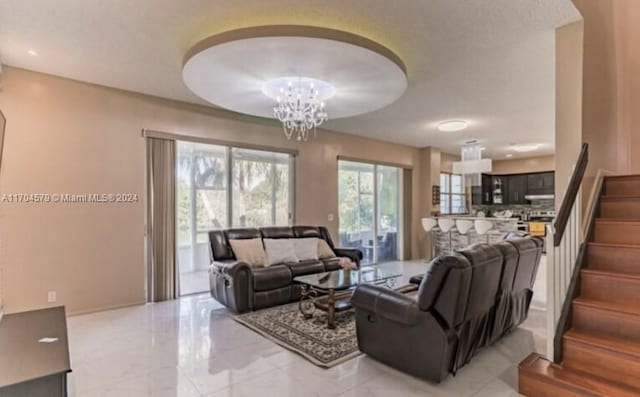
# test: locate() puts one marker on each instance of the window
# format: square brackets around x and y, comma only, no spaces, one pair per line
[220,187]
[452,194]
[370,211]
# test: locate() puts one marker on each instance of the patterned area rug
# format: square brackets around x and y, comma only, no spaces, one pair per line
[286,326]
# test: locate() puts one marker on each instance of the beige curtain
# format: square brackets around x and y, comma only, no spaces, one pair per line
[162,273]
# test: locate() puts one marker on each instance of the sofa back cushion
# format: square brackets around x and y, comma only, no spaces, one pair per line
[280,250]
[306,248]
[486,269]
[274,232]
[306,231]
[529,257]
[444,288]
[242,233]
[509,265]
[219,246]
[326,236]
[249,251]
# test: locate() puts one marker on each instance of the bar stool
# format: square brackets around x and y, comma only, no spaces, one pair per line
[463,226]
[446,224]
[428,224]
[483,227]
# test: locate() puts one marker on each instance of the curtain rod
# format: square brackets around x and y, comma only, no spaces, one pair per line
[146,133]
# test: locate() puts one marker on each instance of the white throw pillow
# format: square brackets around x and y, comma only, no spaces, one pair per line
[306,248]
[249,251]
[279,250]
[324,251]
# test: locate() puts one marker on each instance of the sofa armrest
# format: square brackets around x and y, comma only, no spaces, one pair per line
[417,279]
[352,253]
[230,268]
[230,283]
[388,304]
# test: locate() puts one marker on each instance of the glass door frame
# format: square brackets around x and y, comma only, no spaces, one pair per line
[291,193]
[399,211]
[228,156]
[225,155]
[376,206]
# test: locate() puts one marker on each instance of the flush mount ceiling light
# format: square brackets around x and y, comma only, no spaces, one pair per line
[527,147]
[452,125]
[32,52]
[508,155]
[239,70]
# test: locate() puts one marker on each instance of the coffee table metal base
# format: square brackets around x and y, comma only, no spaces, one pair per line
[332,303]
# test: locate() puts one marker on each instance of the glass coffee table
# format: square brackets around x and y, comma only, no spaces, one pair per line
[331,291]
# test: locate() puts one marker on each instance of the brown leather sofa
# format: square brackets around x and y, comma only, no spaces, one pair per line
[242,288]
[464,302]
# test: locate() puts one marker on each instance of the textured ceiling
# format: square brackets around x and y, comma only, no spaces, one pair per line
[487,61]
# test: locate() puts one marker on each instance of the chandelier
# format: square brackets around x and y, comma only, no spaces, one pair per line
[300,104]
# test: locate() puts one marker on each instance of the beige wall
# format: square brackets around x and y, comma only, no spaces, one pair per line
[511,166]
[611,84]
[569,59]
[447,160]
[430,165]
[520,166]
[66,136]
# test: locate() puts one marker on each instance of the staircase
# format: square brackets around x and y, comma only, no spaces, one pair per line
[601,349]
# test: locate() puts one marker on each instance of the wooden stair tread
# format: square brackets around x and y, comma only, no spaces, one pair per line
[622,197]
[632,309]
[616,220]
[608,274]
[575,382]
[614,245]
[622,177]
[617,346]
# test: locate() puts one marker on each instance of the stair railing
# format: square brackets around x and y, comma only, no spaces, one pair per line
[565,257]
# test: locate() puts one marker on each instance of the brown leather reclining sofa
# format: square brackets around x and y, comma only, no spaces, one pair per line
[464,302]
[243,288]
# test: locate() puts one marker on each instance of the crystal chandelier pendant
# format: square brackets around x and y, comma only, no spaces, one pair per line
[300,104]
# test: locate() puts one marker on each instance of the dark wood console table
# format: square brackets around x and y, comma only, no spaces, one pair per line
[34,354]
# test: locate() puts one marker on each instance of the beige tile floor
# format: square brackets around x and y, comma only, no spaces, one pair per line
[192,347]
[194,282]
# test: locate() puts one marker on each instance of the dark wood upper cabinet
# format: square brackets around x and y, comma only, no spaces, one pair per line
[541,183]
[512,189]
[516,189]
[483,195]
[487,189]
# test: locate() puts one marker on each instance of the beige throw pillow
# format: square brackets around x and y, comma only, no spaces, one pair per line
[279,250]
[250,251]
[324,251]
[306,248]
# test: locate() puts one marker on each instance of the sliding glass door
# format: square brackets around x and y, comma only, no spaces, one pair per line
[261,194]
[388,213]
[220,187]
[370,209]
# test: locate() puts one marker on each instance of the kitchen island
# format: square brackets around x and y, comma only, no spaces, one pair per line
[453,240]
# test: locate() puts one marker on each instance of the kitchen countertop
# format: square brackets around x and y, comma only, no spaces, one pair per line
[486,218]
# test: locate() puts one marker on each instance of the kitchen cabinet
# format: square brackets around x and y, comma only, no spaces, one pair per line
[516,189]
[541,183]
[487,190]
[483,194]
[499,189]
[512,189]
